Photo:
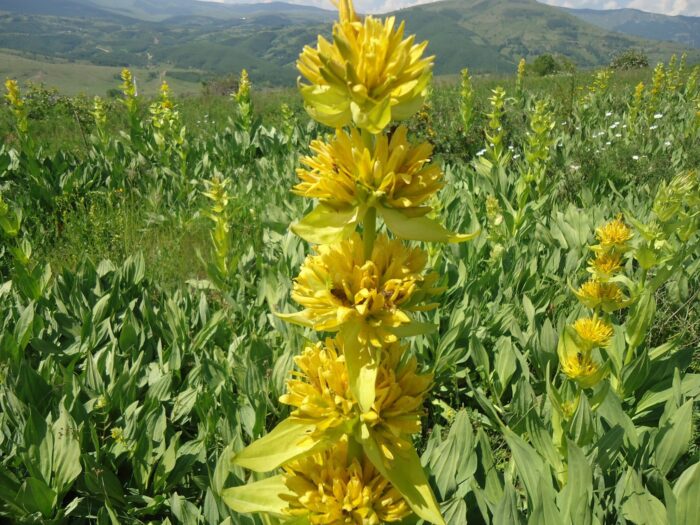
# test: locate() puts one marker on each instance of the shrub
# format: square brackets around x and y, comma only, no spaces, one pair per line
[630,59]
[545,65]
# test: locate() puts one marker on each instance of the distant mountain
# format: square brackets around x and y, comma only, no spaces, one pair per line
[202,39]
[682,29]
[494,34]
[163,10]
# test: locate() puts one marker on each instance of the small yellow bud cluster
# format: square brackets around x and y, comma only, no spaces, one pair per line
[165,120]
[129,91]
[467,95]
[601,82]
[540,144]
[658,86]
[218,212]
[14,98]
[288,121]
[521,76]
[99,115]
[346,449]
[243,101]
[636,106]
[579,357]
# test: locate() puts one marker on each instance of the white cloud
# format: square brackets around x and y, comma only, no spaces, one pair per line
[667,7]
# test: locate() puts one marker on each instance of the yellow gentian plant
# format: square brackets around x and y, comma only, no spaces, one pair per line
[346,450]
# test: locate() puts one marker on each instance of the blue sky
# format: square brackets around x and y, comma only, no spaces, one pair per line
[668,7]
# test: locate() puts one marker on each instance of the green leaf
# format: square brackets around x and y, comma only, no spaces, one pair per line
[292,438]
[454,460]
[640,320]
[506,512]
[208,331]
[582,425]
[529,464]
[638,505]
[24,327]
[222,469]
[184,512]
[324,225]
[687,492]
[611,410]
[261,496]
[545,511]
[66,452]
[36,496]
[38,440]
[406,473]
[413,329]
[420,228]
[505,362]
[673,439]
[577,494]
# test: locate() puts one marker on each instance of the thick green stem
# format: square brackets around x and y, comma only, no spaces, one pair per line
[369,232]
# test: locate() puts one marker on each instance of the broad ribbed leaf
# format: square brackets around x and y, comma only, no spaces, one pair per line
[261,496]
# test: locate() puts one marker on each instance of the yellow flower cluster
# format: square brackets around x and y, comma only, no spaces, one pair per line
[334,488]
[339,288]
[320,392]
[367,76]
[578,350]
[357,398]
[347,172]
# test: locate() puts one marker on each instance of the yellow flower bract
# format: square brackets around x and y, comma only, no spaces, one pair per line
[594,332]
[345,172]
[368,75]
[337,286]
[334,488]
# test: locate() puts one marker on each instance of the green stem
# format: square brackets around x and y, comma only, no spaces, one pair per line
[369,232]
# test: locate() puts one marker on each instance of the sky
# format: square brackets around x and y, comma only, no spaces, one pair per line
[667,7]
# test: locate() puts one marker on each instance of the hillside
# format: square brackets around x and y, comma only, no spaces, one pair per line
[211,39]
[682,29]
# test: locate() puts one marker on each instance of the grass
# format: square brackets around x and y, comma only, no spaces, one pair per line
[116,225]
[73,78]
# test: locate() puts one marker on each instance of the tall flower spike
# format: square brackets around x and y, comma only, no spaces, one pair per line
[368,75]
